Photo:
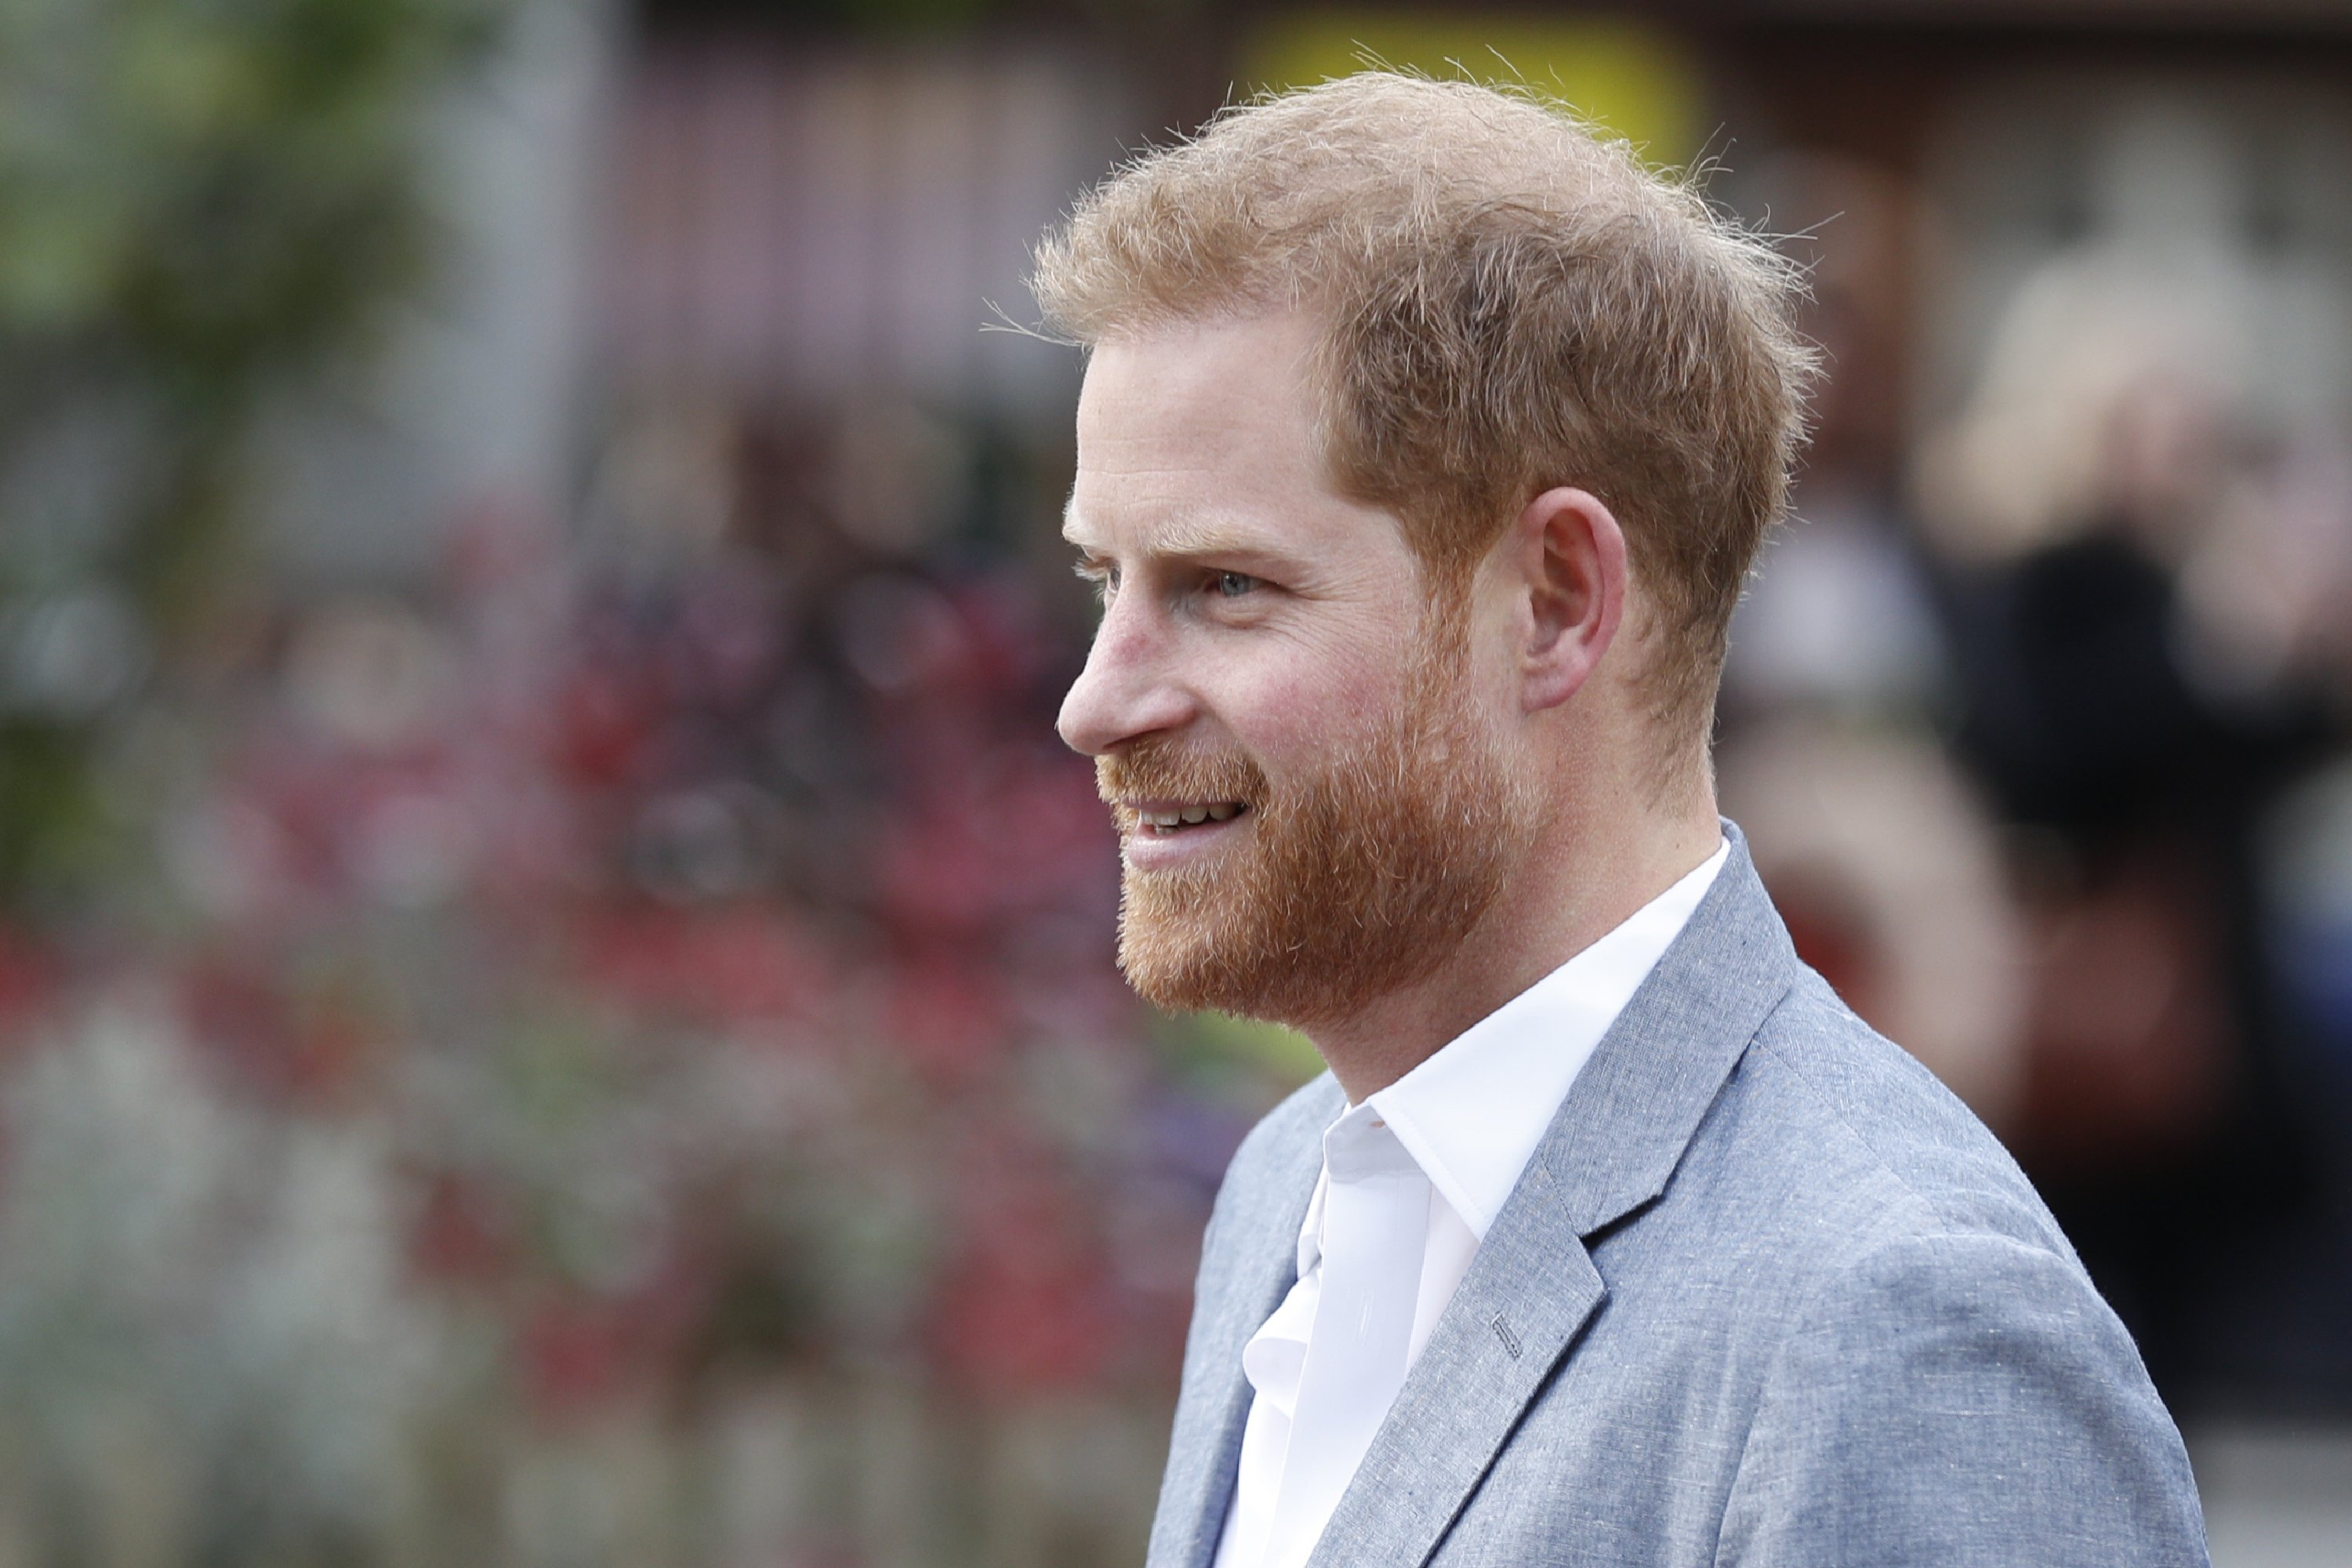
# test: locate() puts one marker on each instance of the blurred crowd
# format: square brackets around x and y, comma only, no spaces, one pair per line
[585,1032]
[2041,718]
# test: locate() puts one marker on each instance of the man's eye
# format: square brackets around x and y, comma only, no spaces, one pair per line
[1234,584]
[1103,580]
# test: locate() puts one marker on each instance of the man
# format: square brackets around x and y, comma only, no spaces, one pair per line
[1425,443]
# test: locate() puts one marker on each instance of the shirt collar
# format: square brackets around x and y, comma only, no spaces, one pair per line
[1472,1114]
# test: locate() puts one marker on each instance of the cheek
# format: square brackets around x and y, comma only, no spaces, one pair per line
[1284,708]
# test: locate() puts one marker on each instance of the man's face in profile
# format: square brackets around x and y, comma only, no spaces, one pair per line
[1310,796]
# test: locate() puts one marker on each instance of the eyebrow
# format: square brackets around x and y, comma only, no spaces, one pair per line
[1186,540]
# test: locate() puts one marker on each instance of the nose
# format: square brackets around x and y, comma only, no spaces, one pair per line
[1128,690]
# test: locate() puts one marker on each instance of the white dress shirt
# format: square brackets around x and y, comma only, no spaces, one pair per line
[1459,1129]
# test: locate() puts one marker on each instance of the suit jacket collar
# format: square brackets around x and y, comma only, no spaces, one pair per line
[1632,1112]
[1611,1149]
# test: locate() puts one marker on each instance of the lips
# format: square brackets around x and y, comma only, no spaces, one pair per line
[1164,835]
[1176,806]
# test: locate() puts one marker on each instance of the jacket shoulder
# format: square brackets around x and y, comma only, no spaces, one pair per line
[1920,1355]
[1858,1127]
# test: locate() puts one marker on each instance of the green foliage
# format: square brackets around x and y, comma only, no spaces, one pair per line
[217,188]
[201,202]
[46,777]
[1248,1061]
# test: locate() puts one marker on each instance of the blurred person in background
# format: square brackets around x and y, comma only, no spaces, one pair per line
[2139,521]
[1425,443]
[1879,854]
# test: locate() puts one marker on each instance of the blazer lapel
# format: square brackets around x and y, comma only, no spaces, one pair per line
[1532,1287]
[1249,1260]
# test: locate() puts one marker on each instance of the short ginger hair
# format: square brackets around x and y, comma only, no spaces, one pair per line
[1508,302]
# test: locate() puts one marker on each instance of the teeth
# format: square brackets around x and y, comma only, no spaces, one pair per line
[1189,816]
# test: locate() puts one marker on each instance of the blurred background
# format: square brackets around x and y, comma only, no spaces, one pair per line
[556,1002]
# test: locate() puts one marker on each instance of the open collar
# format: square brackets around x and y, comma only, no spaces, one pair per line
[1474,1113]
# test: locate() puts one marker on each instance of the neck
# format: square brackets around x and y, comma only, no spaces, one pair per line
[1588,873]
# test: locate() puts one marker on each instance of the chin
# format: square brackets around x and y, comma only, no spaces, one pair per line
[1294,959]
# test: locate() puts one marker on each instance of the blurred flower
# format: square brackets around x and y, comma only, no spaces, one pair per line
[370,673]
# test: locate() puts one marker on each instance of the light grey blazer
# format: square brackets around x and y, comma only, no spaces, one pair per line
[1767,1294]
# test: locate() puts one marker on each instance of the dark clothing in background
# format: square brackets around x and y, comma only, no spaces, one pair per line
[2162,1121]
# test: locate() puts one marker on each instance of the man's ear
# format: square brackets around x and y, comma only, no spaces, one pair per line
[1570,557]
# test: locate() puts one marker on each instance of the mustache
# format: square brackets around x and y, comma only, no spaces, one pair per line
[1155,769]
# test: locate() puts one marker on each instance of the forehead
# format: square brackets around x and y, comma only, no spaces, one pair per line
[1207,427]
[1210,380]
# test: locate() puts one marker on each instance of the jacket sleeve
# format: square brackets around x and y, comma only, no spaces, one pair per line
[1961,1400]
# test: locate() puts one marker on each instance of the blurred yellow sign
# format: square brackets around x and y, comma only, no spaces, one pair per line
[1629,78]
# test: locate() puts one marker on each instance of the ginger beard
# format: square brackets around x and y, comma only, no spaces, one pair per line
[1354,880]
